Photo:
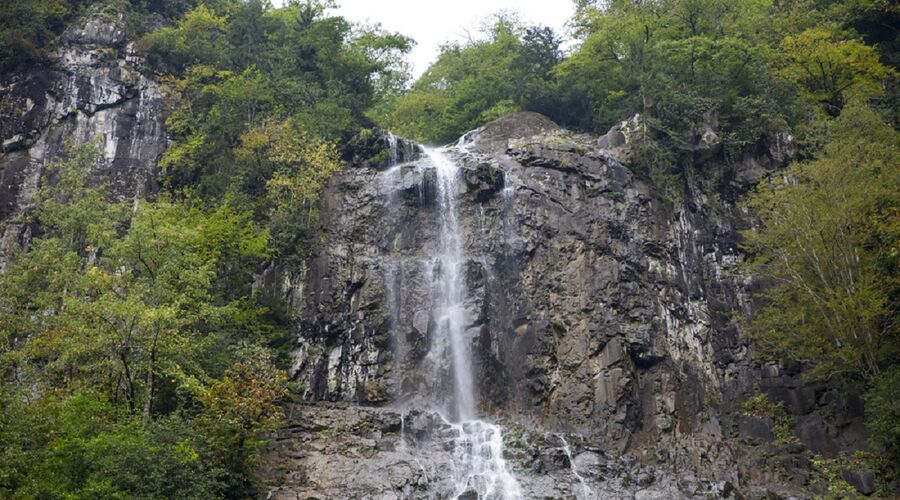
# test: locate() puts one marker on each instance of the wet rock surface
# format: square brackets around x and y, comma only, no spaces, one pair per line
[596,307]
[341,451]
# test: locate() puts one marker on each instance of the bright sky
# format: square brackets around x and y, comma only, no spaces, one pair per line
[433,22]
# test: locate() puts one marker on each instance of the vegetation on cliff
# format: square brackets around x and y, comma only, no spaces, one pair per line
[136,359]
[743,68]
[827,242]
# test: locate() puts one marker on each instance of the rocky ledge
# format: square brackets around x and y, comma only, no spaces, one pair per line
[98,90]
[339,451]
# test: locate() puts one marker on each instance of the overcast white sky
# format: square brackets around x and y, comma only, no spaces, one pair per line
[433,22]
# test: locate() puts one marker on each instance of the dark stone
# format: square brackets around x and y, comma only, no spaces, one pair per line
[755,428]
[862,480]
[483,181]
[813,432]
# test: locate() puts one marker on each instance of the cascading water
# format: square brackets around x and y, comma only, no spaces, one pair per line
[392,144]
[478,445]
[478,450]
[451,312]
[479,468]
[585,489]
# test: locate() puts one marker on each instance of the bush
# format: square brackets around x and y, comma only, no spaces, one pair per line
[883,413]
[760,406]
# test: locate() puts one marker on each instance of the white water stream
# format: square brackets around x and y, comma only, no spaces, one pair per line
[479,468]
[585,489]
[450,316]
[478,445]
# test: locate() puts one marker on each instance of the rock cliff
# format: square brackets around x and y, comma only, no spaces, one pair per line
[604,318]
[598,308]
[97,90]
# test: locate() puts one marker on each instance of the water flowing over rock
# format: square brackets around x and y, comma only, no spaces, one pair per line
[591,307]
[340,451]
[595,322]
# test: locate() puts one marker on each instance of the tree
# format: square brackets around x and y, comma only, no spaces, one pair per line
[260,63]
[200,37]
[829,70]
[297,168]
[118,331]
[827,246]
[27,28]
[504,71]
[238,411]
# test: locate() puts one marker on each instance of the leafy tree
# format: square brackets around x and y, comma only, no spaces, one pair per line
[94,451]
[471,83]
[126,333]
[883,415]
[238,411]
[73,208]
[261,64]
[674,62]
[200,37]
[293,167]
[827,245]
[829,70]
[26,28]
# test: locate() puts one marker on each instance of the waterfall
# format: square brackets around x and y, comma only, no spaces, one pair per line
[451,312]
[585,489]
[478,445]
[479,468]
[392,144]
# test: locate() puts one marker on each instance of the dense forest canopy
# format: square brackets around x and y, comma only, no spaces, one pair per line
[138,361]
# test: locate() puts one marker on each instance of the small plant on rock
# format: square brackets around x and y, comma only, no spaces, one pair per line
[760,406]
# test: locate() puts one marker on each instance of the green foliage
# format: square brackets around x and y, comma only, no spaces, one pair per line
[73,209]
[238,411]
[129,335]
[478,81]
[683,65]
[827,475]
[260,97]
[95,451]
[27,27]
[200,37]
[828,70]
[827,245]
[215,107]
[760,406]
[297,167]
[883,415]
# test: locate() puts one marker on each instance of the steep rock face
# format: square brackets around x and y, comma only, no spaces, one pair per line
[97,90]
[595,306]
